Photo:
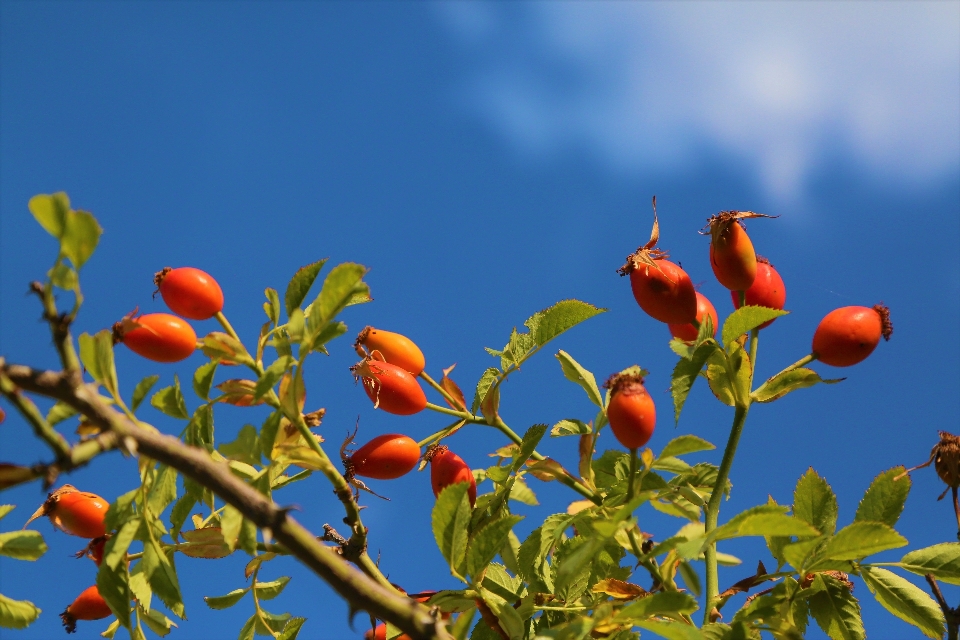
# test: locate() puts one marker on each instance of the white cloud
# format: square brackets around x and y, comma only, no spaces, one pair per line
[782,85]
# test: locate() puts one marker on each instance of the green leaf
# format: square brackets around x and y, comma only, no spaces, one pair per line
[885,498]
[461,626]
[268,433]
[64,276]
[783,383]
[510,620]
[115,550]
[487,542]
[659,604]
[338,287]
[5,509]
[270,590]
[719,379]
[672,630]
[158,623]
[180,512]
[292,628]
[271,375]
[113,583]
[247,541]
[203,379]
[248,629]
[861,539]
[572,564]
[570,427]
[292,394]
[270,623]
[745,319]
[139,588]
[170,401]
[300,285]
[835,609]
[548,324]
[142,389]
[111,630]
[226,601]
[450,519]
[575,373]
[940,560]
[331,331]
[161,574]
[88,355]
[685,374]
[246,448]
[199,431]
[522,493]
[51,212]
[685,444]
[814,502]
[163,491]
[905,600]
[103,351]
[483,387]
[231,520]
[17,614]
[22,545]
[60,412]
[739,369]
[763,520]
[219,346]
[272,306]
[528,445]
[81,234]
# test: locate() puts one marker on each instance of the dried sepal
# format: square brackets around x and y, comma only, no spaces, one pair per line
[646,255]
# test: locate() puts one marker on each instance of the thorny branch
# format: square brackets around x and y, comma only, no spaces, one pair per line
[360,591]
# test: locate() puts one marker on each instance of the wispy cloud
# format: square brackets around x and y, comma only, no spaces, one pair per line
[779,85]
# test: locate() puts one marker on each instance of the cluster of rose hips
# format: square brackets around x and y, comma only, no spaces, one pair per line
[389,368]
[163,337]
[665,292]
[80,514]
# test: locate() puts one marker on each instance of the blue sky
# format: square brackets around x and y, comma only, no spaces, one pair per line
[486,161]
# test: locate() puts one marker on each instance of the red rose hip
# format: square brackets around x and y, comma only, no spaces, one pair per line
[448,468]
[386,457]
[688,332]
[160,337]
[848,335]
[190,292]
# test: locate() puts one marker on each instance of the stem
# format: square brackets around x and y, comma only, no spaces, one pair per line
[433,383]
[32,414]
[742,296]
[451,412]
[713,508]
[631,491]
[222,319]
[439,435]
[712,514]
[500,425]
[952,616]
[634,464]
[59,327]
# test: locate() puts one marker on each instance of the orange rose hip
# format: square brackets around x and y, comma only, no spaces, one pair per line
[631,411]
[848,335]
[190,292]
